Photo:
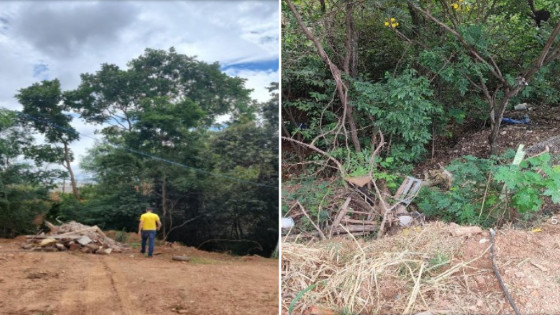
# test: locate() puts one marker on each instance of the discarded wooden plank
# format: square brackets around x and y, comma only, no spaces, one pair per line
[181,258]
[47,242]
[341,214]
[92,228]
[365,222]
[359,181]
[356,228]
[51,226]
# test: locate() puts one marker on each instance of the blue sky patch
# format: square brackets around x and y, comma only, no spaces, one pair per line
[41,71]
[265,65]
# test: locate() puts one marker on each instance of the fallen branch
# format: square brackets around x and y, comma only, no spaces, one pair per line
[323,237]
[314,148]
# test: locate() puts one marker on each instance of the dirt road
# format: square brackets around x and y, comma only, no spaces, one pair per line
[128,283]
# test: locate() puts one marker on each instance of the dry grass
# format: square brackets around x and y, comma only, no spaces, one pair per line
[397,274]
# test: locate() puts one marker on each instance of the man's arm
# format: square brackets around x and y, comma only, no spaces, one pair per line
[158,223]
[140,227]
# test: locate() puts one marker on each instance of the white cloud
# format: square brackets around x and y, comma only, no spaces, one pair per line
[60,39]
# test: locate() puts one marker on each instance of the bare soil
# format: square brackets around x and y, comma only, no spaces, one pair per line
[130,283]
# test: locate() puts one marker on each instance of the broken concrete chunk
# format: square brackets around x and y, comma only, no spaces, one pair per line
[60,246]
[26,246]
[74,246]
[84,240]
[467,231]
[103,251]
[93,247]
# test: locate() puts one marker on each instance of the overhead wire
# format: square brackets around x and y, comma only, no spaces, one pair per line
[199,170]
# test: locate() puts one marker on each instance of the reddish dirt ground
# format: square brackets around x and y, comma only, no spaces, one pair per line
[129,283]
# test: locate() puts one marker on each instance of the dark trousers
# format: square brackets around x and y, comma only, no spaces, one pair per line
[151,236]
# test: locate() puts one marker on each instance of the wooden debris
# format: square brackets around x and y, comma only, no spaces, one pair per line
[359,181]
[51,226]
[181,258]
[47,242]
[73,236]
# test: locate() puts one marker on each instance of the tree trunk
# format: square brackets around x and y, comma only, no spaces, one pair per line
[69,168]
[164,201]
[341,88]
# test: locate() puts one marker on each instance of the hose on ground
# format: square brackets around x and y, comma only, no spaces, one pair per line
[502,285]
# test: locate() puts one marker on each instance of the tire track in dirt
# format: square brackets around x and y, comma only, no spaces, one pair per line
[96,294]
[101,292]
[118,283]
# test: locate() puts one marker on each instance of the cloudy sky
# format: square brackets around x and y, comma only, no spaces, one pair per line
[44,40]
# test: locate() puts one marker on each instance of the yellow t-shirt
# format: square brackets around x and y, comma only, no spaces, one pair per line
[149,221]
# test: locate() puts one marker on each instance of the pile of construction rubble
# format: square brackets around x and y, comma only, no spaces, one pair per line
[73,236]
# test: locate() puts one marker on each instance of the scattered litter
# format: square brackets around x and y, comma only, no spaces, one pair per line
[522,106]
[405,220]
[287,223]
[511,121]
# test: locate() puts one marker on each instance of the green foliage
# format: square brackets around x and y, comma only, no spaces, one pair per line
[485,189]
[402,111]
[23,187]
[312,195]
[533,178]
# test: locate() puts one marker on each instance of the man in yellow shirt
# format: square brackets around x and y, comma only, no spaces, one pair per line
[149,223]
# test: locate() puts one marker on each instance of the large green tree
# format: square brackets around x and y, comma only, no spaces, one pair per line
[43,109]
[23,187]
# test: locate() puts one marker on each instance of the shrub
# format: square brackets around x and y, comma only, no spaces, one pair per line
[484,191]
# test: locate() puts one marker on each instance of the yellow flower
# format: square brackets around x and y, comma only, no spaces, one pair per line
[392,19]
[394,25]
[460,0]
[455,6]
[386,23]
